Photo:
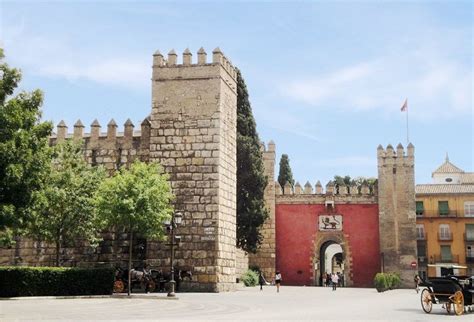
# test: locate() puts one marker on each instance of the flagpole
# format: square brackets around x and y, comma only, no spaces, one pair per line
[408,140]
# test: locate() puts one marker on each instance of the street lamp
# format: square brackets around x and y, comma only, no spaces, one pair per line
[172,225]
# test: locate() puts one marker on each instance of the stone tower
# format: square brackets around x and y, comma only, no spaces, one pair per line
[397,219]
[193,135]
[265,256]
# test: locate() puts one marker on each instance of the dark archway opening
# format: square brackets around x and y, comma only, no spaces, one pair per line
[331,260]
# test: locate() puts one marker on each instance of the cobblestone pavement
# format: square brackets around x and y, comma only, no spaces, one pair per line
[248,304]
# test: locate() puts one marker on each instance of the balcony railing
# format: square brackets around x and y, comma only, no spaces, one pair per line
[446,236]
[446,259]
[469,237]
[421,236]
[436,213]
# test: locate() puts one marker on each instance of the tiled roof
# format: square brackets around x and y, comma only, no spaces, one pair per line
[448,167]
[467,178]
[444,188]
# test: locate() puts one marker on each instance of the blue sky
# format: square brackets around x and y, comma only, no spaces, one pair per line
[326,79]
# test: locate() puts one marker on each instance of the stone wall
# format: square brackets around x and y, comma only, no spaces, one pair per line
[396,180]
[111,149]
[193,135]
[241,262]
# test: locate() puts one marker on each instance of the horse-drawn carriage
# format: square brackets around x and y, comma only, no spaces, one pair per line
[147,279]
[454,292]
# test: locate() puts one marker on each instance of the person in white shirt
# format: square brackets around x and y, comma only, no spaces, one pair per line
[335,280]
[278,280]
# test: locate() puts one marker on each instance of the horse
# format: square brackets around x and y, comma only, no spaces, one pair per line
[163,278]
[142,277]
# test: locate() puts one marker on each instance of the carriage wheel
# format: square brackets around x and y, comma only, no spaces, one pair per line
[151,286]
[118,287]
[426,301]
[458,302]
[448,307]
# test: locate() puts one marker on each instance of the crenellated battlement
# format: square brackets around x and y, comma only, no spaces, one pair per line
[95,131]
[342,191]
[218,59]
[391,156]
[111,148]
[270,147]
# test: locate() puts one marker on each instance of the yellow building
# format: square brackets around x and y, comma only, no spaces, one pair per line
[445,221]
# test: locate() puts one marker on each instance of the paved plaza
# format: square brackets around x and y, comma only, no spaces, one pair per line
[247,304]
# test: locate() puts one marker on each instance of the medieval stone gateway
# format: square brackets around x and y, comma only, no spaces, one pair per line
[191,131]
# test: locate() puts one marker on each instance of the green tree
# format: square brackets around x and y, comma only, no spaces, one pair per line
[251,179]
[358,182]
[24,151]
[339,180]
[137,199]
[65,206]
[285,175]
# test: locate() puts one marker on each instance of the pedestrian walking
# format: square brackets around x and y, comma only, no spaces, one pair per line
[334,280]
[261,280]
[417,281]
[278,281]
[328,279]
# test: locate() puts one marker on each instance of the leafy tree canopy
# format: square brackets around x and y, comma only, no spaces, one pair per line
[138,199]
[285,175]
[24,151]
[64,208]
[358,182]
[251,179]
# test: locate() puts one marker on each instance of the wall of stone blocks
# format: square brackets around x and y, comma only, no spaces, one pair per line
[241,262]
[397,218]
[193,134]
[112,251]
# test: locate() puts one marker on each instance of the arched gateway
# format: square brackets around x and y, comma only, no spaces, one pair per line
[365,223]
[327,261]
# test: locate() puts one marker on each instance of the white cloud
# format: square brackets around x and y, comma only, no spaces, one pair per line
[58,58]
[437,84]
[121,72]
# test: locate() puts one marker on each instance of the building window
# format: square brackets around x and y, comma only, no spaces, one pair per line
[443,208]
[469,209]
[420,232]
[469,232]
[469,254]
[449,180]
[421,250]
[446,253]
[420,209]
[444,232]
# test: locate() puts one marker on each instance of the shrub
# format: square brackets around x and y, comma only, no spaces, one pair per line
[380,281]
[394,280]
[55,281]
[250,278]
[387,281]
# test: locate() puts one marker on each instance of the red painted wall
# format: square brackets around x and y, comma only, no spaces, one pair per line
[296,229]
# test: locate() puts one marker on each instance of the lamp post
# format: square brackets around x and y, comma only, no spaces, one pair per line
[172,225]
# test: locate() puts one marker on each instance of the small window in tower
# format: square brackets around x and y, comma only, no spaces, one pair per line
[449,180]
[394,170]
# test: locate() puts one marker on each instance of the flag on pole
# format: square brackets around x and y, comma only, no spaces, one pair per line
[405,105]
